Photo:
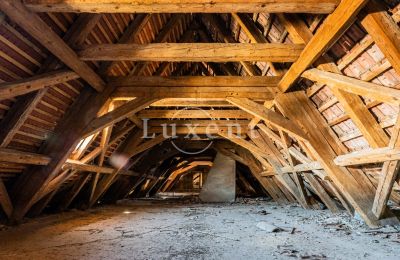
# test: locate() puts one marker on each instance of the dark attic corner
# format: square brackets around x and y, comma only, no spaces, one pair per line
[199,129]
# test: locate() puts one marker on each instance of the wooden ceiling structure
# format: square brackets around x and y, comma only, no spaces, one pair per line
[314,83]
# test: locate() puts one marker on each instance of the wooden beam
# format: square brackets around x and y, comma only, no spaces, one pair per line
[390,170]
[22,109]
[39,30]
[130,151]
[194,113]
[254,93]
[353,104]
[14,156]
[268,184]
[276,159]
[305,167]
[269,116]
[27,85]
[195,81]
[59,146]
[355,86]
[368,156]
[321,192]
[384,31]
[5,200]
[325,146]
[178,6]
[124,111]
[193,52]
[329,32]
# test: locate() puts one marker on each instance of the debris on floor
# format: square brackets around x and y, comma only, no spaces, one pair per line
[160,230]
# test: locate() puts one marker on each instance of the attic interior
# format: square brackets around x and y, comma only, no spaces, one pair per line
[203,116]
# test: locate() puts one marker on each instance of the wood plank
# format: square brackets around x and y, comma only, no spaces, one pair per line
[177,6]
[39,30]
[193,52]
[195,81]
[27,85]
[329,32]
[390,171]
[269,116]
[355,86]
[384,31]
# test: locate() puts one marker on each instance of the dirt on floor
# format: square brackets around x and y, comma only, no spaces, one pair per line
[249,229]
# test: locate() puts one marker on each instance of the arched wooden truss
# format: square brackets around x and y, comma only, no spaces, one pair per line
[314,83]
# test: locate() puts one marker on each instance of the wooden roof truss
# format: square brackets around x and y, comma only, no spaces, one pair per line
[321,123]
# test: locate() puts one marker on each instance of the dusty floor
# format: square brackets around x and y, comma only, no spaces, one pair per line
[198,231]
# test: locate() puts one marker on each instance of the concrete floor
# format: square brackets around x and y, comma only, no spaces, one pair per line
[198,231]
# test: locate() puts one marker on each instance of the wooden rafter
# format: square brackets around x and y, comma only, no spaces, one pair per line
[325,147]
[384,31]
[24,106]
[60,145]
[38,29]
[330,31]
[352,103]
